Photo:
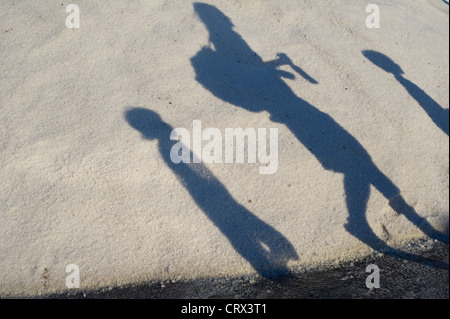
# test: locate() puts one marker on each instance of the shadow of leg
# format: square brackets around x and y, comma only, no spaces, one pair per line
[358,192]
[400,206]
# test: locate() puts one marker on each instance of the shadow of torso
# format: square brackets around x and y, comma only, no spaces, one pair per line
[256,86]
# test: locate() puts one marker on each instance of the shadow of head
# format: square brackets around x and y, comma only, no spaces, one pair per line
[211,16]
[383,62]
[147,122]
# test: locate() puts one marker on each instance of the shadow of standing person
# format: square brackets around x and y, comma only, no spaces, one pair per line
[267,250]
[233,72]
[438,114]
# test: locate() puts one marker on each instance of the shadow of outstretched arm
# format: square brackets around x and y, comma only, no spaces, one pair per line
[283,59]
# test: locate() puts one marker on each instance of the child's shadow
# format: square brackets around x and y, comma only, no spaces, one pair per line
[267,250]
[437,113]
[233,72]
